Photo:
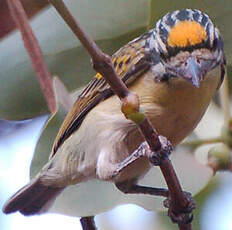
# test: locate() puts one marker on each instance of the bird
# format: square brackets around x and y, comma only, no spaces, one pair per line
[175,69]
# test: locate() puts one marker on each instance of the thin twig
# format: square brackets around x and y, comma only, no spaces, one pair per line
[185,227]
[87,223]
[225,100]
[199,142]
[102,64]
[7,23]
[31,44]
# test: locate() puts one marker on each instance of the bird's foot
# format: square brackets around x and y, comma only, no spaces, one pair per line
[157,157]
[185,216]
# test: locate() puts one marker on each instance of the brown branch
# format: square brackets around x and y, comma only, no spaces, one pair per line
[102,64]
[31,44]
[87,223]
[7,23]
[185,226]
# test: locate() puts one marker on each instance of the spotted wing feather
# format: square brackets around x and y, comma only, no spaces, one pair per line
[129,62]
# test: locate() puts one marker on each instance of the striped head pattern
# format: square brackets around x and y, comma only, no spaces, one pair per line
[184,30]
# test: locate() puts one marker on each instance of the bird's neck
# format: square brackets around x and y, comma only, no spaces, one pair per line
[175,107]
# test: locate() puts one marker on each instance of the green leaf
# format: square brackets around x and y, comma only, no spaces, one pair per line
[21,97]
[64,102]
[73,65]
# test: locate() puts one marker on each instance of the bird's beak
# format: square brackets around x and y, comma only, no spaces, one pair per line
[193,72]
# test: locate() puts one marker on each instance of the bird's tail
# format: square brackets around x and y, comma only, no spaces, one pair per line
[34,198]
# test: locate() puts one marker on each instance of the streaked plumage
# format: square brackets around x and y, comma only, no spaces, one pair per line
[175,75]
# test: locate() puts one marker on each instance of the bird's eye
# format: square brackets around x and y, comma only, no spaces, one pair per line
[199,60]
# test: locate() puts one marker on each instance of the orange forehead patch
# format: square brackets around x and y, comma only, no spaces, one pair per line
[186,33]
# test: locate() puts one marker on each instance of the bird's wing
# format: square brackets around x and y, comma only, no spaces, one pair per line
[129,62]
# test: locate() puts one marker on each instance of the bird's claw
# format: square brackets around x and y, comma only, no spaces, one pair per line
[158,156]
[184,217]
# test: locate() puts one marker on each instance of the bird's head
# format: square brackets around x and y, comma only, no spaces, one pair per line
[188,45]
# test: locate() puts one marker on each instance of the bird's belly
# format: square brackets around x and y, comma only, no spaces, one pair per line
[180,106]
[175,112]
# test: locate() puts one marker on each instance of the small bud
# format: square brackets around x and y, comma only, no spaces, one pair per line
[130,108]
[219,157]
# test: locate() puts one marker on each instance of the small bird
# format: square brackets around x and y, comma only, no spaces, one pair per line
[174,68]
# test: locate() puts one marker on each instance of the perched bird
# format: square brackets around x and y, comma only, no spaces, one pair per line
[175,69]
